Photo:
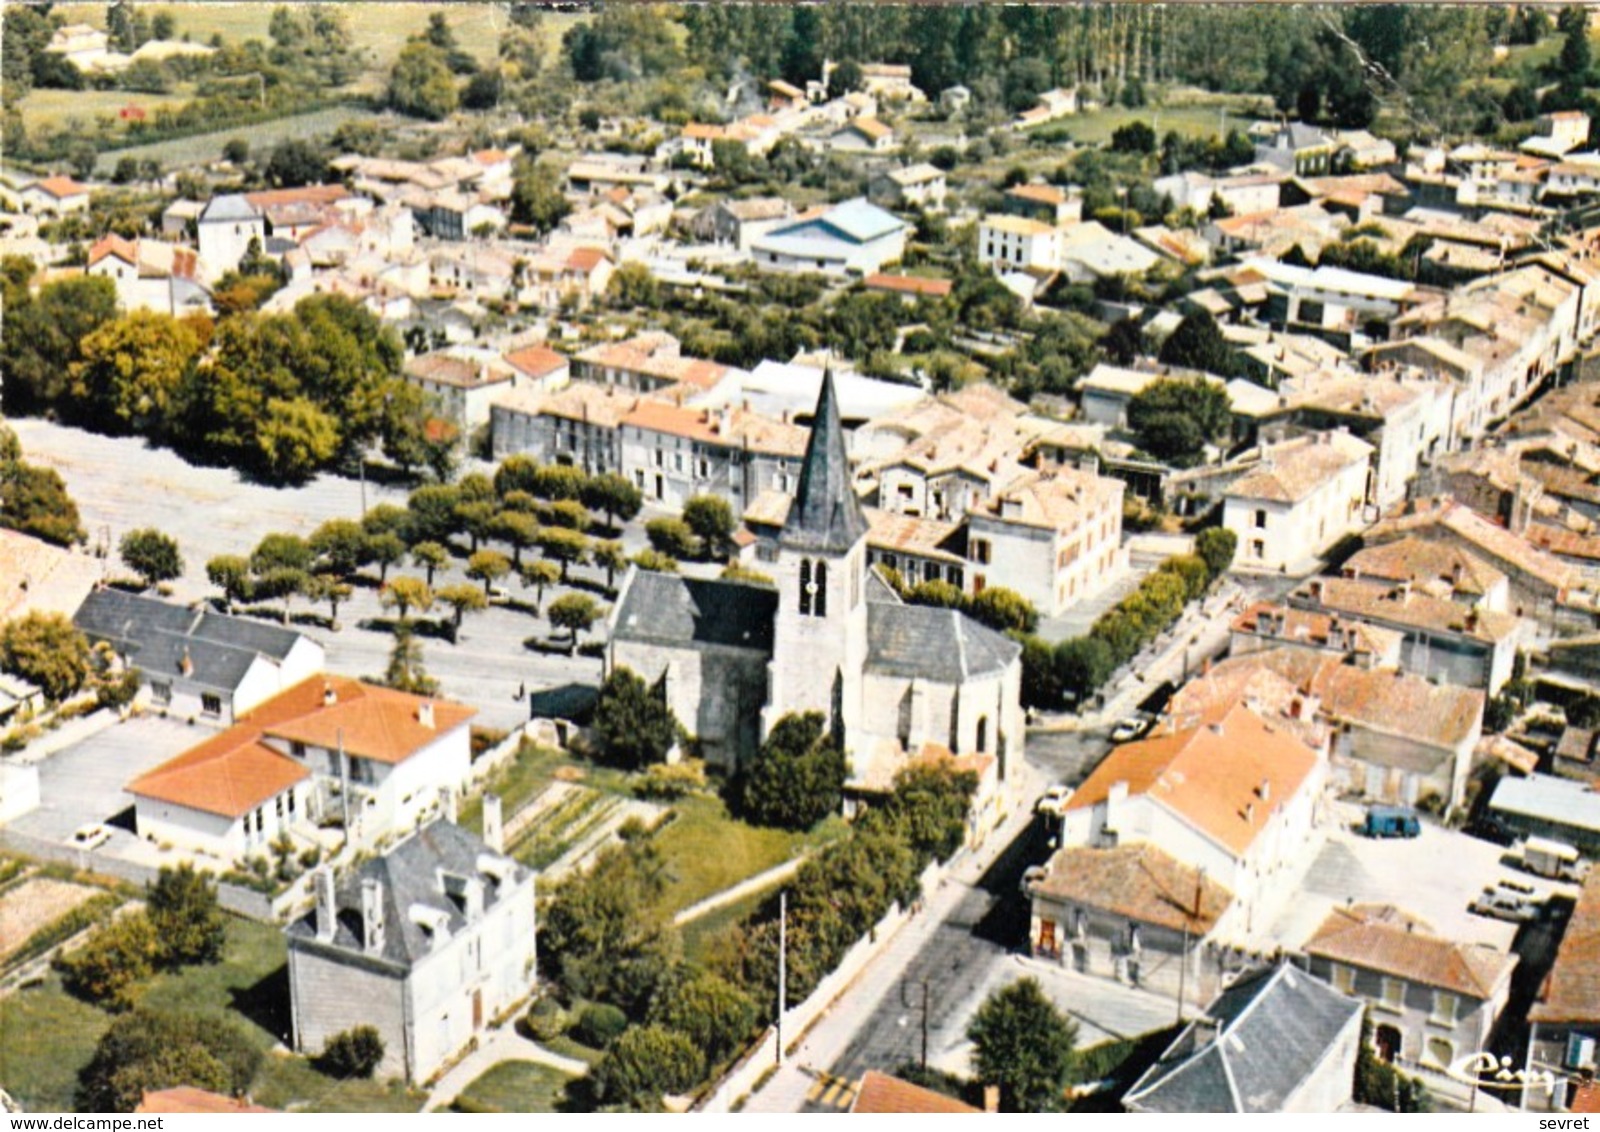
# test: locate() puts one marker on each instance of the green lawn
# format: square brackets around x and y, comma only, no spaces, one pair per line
[700,935]
[515,1086]
[1199,119]
[53,108]
[707,850]
[200,148]
[570,1047]
[47,1036]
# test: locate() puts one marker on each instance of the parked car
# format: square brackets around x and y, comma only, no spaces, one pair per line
[90,836]
[1054,801]
[1499,904]
[1129,729]
[1391,821]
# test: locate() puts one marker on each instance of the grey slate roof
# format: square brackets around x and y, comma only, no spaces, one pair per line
[825,514]
[229,207]
[1263,1038]
[410,874]
[670,609]
[155,635]
[934,644]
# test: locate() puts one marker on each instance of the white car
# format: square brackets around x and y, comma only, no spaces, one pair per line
[1129,729]
[1054,800]
[91,836]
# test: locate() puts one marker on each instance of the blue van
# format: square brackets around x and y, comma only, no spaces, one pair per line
[1391,821]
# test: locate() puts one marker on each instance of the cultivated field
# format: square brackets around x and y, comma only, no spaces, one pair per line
[202,148]
[36,904]
[56,108]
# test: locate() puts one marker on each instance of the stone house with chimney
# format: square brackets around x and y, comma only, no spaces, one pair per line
[430,943]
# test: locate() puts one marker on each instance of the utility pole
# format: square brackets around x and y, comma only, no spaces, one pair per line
[783,946]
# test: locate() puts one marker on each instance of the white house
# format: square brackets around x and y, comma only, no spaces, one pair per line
[855,237]
[85,47]
[1304,496]
[1233,797]
[431,943]
[330,750]
[1243,193]
[56,196]
[151,275]
[1018,243]
[916,186]
[224,232]
[465,381]
[198,664]
[863,134]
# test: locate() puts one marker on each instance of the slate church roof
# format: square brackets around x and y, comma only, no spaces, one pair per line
[669,609]
[926,642]
[1260,1041]
[825,515]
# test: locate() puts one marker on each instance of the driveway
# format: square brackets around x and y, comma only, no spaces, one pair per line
[84,783]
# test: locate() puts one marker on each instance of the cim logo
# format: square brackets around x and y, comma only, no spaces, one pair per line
[1483,1070]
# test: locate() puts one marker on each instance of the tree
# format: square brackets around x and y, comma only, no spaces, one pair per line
[421,83]
[536,196]
[651,559]
[931,804]
[1026,79]
[1024,1045]
[236,151]
[564,546]
[152,555]
[610,557]
[406,593]
[295,438]
[183,909]
[744,575]
[1123,342]
[484,89]
[48,651]
[341,546]
[34,501]
[148,1050]
[356,1052]
[462,599]
[606,936]
[846,78]
[711,519]
[1082,665]
[613,496]
[430,556]
[113,964]
[1175,418]
[293,163]
[406,672]
[132,369]
[488,566]
[1576,58]
[633,726]
[797,777]
[518,529]
[386,549]
[539,575]
[280,551]
[646,1063]
[1197,343]
[1004,610]
[575,613]
[712,1012]
[1135,137]
[1216,546]
[328,588]
[568,514]
[672,537]
[230,573]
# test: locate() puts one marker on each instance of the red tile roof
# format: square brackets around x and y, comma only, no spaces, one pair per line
[1571,992]
[536,361]
[1210,775]
[1383,938]
[909,284]
[187,1098]
[881,1093]
[59,187]
[308,194]
[113,244]
[234,772]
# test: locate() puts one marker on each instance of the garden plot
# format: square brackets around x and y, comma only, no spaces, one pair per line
[568,823]
[35,904]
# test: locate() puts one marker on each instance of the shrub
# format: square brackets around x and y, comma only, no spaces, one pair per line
[670,781]
[109,970]
[356,1052]
[546,1020]
[599,1024]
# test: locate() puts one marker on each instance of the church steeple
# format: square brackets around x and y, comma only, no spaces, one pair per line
[825,515]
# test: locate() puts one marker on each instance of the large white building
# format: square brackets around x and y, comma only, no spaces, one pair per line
[224,232]
[330,750]
[1304,496]
[853,238]
[430,943]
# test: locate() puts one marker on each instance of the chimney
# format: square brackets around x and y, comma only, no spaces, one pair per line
[1250,813]
[991,1098]
[329,696]
[327,919]
[1216,728]
[371,914]
[186,665]
[1316,589]
[493,828]
[1264,791]
[425,714]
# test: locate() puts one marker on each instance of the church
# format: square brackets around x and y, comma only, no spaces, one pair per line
[894,680]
